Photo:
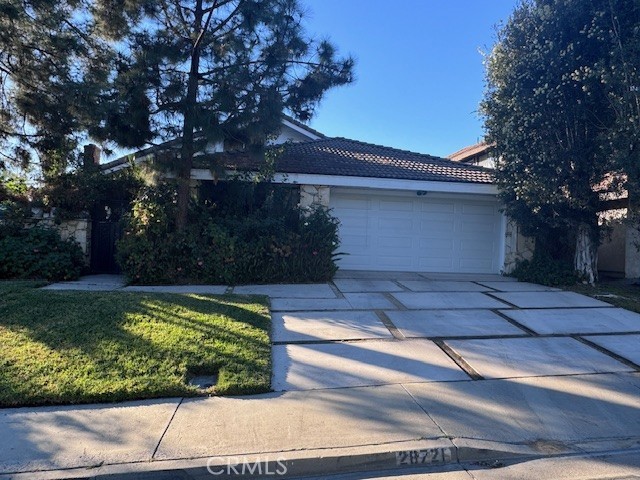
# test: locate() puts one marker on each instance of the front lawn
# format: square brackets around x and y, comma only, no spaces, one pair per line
[78,347]
[616,293]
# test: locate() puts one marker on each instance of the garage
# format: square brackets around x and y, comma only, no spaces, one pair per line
[417,231]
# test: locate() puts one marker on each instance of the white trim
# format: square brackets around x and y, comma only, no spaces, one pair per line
[385,183]
[300,130]
[368,182]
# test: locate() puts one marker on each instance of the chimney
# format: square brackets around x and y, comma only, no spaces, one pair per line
[91,155]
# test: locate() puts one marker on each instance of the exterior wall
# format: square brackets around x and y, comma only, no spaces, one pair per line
[488,162]
[611,254]
[289,135]
[78,230]
[517,247]
[313,196]
[632,257]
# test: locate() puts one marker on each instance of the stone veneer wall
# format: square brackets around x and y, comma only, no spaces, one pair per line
[76,229]
[517,247]
[312,196]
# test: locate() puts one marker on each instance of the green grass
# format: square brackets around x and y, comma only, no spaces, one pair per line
[618,294]
[78,347]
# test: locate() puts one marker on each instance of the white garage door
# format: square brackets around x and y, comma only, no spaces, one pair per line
[406,232]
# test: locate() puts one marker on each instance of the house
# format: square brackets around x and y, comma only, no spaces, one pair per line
[398,210]
[477,154]
[618,255]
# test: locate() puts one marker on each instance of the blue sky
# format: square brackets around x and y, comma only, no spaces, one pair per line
[419,72]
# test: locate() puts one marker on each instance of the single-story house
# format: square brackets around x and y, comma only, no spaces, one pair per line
[398,210]
[618,255]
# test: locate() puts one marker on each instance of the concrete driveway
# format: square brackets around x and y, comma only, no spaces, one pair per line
[371,371]
[367,329]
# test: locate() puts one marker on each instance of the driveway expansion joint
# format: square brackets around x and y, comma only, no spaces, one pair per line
[397,334]
[461,362]
[606,351]
[506,302]
[336,290]
[514,322]
[397,303]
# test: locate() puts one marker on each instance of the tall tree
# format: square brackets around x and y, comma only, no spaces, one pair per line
[56,85]
[549,109]
[222,70]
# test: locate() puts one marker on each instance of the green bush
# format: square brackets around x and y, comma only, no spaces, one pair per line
[39,253]
[546,271]
[269,243]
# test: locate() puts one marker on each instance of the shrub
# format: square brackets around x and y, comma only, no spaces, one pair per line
[546,271]
[269,243]
[39,253]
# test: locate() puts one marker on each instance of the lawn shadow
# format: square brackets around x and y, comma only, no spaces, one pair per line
[143,344]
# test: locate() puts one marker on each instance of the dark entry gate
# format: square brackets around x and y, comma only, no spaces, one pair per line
[104,235]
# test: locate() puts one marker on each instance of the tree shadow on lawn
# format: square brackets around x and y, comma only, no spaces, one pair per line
[77,347]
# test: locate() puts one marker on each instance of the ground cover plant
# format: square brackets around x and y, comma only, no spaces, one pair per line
[78,347]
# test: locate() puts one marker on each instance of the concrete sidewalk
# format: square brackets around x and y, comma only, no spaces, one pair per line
[323,431]
[372,371]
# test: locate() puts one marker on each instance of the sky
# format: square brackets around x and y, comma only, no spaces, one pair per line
[419,69]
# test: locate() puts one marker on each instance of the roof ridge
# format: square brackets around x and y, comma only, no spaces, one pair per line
[442,160]
[391,148]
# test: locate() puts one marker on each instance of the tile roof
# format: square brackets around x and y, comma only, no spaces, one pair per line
[341,156]
[344,157]
[466,152]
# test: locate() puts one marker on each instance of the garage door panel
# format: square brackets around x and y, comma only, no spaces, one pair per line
[355,240]
[394,261]
[478,209]
[386,232]
[437,231]
[435,264]
[395,242]
[400,205]
[439,245]
[434,207]
[397,225]
[349,202]
[475,228]
[475,266]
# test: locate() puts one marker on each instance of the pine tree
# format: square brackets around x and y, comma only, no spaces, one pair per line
[221,70]
[56,85]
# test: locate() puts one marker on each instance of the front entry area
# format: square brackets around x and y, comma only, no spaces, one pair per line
[418,231]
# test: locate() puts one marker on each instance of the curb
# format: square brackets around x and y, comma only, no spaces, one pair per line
[427,454]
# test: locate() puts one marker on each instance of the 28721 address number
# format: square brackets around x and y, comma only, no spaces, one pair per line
[421,457]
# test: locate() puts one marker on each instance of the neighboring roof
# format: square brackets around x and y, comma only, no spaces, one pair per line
[344,157]
[468,152]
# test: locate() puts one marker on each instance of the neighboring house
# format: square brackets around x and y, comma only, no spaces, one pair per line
[398,210]
[478,154]
[618,254]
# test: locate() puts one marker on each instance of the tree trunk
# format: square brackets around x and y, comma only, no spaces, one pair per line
[189,123]
[586,258]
